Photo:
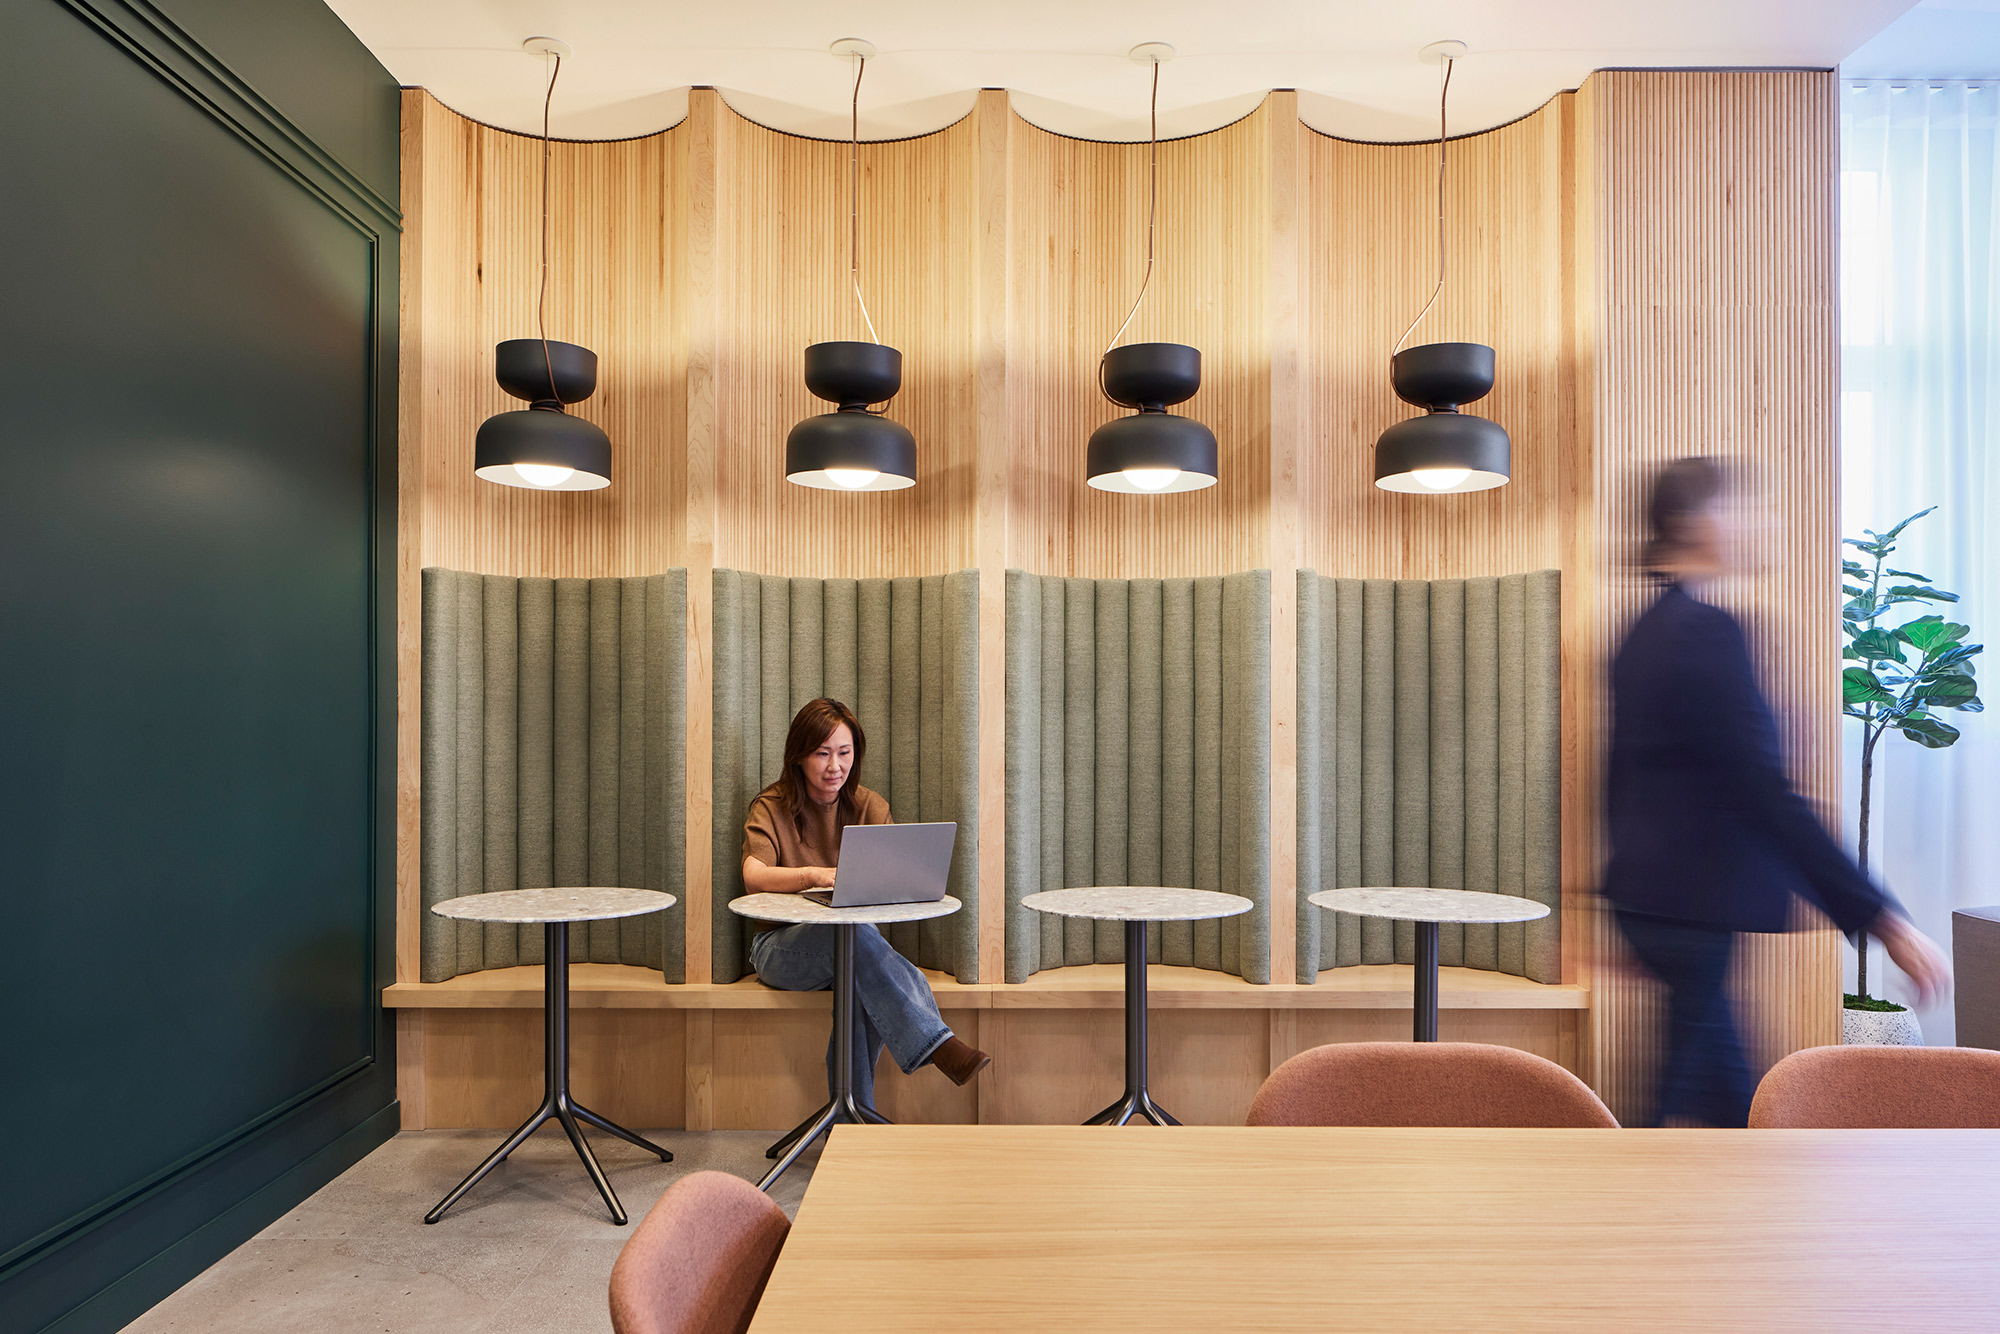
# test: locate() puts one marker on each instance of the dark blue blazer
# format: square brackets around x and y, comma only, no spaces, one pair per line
[1704,826]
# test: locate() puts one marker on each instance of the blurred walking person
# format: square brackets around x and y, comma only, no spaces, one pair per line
[1708,839]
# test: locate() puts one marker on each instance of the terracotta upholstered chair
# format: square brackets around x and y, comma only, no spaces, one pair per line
[1880,1088]
[1425,1084]
[697,1262]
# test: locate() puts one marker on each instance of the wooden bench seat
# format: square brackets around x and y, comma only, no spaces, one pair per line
[1086,987]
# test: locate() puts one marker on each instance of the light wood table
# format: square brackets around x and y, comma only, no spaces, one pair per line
[1057,1228]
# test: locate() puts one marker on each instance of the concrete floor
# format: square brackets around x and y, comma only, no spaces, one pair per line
[529,1249]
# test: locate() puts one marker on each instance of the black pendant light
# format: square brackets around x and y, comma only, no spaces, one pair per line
[1445,450]
[854,448]
[1154,452]
[542,447]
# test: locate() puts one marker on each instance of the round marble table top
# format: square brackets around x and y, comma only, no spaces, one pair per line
[1430,905]
[588,904]
[1137,903]
[800,910]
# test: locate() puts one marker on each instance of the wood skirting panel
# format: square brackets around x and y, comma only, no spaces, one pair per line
[1652,258]
[484,1067]
[767,1067]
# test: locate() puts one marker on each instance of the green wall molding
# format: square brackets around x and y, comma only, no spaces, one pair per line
[1430,753]
[1139,752]
[554,753]
[169,52]
[161,261]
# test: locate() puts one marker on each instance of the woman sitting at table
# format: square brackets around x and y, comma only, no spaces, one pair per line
[791,842]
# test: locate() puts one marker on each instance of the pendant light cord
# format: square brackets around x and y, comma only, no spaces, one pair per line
[1152,216]
[542,300]
[1442,93]
[854,198]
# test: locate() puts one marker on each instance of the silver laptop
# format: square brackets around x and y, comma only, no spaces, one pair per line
[890,863]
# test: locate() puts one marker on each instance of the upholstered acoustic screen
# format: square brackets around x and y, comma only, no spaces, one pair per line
[554,753]
[1430,753]
[1139,753]
[904,655]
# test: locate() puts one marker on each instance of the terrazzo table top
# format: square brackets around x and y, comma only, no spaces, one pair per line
[798,909]
[1430,905]
[1137,903]
[588,904]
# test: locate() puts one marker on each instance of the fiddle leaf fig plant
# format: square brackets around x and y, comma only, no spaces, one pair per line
[1898,677]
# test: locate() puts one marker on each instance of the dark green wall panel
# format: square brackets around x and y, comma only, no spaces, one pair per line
[198,451]
[301,57]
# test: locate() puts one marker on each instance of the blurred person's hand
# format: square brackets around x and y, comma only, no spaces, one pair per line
[1917,955]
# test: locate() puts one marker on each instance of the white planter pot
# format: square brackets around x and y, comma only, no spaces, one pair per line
[1881,1028]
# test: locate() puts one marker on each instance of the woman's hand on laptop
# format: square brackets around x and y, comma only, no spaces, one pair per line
[761,879]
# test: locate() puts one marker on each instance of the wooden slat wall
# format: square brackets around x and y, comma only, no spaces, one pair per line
[1651,256]
[1714,244]
[1368,261]
[472,217]
[1077,251]
[782,266]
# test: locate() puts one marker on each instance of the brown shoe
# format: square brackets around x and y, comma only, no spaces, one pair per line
[959,1061]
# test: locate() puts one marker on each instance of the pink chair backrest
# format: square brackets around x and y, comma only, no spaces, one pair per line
[697,1262]
[1425,1084]
[1881,1088]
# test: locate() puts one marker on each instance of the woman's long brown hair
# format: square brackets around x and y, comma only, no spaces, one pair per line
[810,729]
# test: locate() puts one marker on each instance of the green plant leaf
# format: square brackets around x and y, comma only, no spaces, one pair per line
[1885,602]
[1858,685]
[1860,571]
[1947,691]
[1877,644]
[1905,574]
[1870,547]
[1919,591]
[1932,632]
[1958,658]
[1860,609]
[1893,532]
[1929,732]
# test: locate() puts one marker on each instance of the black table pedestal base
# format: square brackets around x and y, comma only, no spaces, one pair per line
[1424,1010]
[557,1104]
[1136,1101]
[842,1106]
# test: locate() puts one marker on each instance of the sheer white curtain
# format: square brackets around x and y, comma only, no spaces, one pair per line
[1920,426]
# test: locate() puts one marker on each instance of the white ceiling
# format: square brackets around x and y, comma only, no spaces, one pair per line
[1354,62]
[1939,39]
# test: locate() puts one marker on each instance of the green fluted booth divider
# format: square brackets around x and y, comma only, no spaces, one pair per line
[904,655]
[1430,753]
[554,753]
[1139,753]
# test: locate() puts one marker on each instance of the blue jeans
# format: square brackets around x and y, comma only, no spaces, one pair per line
[1705,1076]
[893,1005]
